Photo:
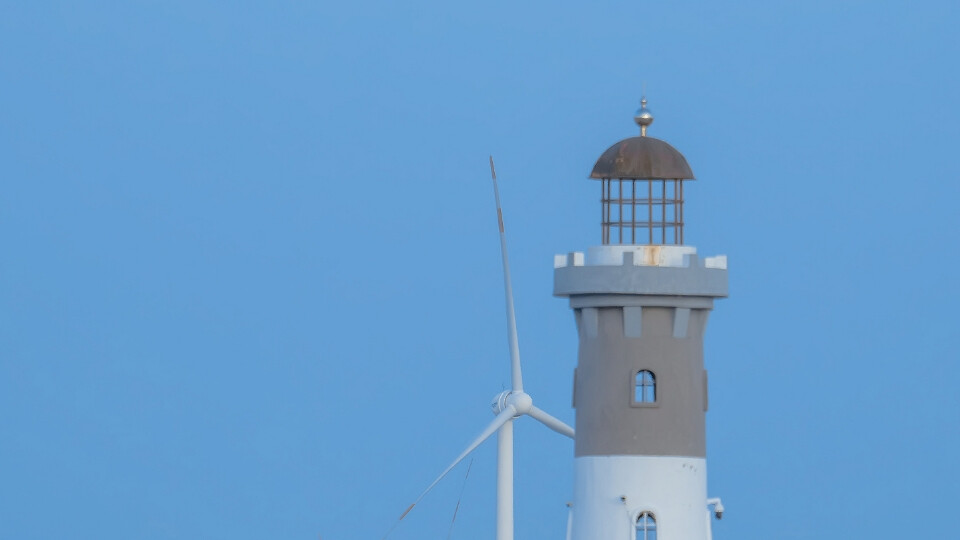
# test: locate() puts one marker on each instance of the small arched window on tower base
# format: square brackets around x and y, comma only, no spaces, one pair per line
[644,388]
[646,526]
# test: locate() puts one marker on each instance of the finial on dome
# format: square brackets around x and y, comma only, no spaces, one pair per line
[643,117]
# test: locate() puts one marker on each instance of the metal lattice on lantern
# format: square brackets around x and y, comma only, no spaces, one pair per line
[642,188]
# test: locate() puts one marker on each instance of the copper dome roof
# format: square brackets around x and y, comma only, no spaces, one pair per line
[642,158]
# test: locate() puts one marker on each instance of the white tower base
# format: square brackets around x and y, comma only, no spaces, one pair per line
[611,491]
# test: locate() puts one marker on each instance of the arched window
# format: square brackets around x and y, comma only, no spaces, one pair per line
[645,387]
[646,526]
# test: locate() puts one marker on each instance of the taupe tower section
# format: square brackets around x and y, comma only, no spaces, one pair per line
[640,318]
[641,303]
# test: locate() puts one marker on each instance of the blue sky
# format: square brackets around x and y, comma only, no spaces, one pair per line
[249,268]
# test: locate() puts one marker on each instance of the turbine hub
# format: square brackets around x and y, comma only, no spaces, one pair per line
[521,402]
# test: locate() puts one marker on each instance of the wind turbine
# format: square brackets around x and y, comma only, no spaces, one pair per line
[507,406]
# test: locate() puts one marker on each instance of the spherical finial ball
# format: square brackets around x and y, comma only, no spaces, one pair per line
[643,117]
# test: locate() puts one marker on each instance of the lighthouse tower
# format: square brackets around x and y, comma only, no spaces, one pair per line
[641,301]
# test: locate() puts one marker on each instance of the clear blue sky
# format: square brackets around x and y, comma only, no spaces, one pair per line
[249,270]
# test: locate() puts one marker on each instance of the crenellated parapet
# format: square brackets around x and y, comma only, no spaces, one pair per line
[640,270]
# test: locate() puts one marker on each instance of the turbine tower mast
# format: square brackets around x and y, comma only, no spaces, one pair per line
[641,301]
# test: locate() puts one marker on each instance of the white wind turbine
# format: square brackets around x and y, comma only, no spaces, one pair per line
[507,405]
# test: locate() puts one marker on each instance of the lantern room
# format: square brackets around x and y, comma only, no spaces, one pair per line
[641,180]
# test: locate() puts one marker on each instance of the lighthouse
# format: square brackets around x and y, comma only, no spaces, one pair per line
[641,299]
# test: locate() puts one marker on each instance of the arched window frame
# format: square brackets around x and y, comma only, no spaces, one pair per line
[645,526]
[643,389]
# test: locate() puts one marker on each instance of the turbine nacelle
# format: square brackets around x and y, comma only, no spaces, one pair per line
[521,402]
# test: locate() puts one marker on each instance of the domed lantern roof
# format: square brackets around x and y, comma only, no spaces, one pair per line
[642,158]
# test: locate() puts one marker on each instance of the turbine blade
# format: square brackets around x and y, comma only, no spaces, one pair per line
[553,423]
[505,416]
[516,377]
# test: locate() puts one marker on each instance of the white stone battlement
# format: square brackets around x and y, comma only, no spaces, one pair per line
[619,255]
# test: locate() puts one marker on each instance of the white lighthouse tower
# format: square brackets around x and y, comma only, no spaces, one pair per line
[641,301]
